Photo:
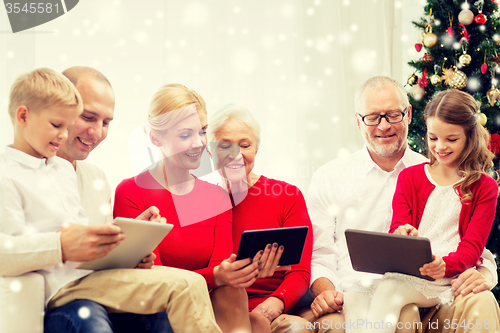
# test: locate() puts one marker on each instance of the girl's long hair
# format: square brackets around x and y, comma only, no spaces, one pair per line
[459,108]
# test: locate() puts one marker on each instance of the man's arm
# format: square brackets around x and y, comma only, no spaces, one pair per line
[326,298]
[325,252]
[24,252]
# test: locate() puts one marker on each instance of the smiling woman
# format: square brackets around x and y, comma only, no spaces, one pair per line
[261,203]
[200,212]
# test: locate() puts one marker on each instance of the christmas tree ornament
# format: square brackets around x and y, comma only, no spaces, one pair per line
[492,95]
[464,33]
[422,82]
[479,103]
[484,66]
[448,74]
[482,118]
[427,57]
[466,17]
[464,59]
[450,28]
[459,80]
[480,18]
[496,38]
[430,39]
[435,79]
[417,92]
[412,79]
[418,47]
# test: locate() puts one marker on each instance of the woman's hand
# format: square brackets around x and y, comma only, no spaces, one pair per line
[234,273]
[407,230]
[147,262]
[152,214]
[434,269]
[270,258]
[270,308]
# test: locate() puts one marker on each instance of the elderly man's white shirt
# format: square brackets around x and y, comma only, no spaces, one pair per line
[353,193]
[37,198]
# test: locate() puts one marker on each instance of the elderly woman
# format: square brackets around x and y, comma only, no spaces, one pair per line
[261,203]
[201,239]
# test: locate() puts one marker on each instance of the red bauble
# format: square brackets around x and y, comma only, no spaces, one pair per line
[484,68]
[418,47]
[450,31]
[480,18]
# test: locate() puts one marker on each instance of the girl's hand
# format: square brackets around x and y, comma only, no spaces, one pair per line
[407,230]
[434,269]
[234,273]
[270,258]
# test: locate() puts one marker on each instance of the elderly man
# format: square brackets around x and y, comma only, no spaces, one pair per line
[82,243]
[356,192]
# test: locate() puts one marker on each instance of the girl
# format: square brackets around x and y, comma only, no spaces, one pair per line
[450,200]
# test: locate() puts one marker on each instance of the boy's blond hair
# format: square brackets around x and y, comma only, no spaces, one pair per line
[43,88]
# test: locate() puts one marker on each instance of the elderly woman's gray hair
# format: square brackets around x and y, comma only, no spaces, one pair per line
[232,112]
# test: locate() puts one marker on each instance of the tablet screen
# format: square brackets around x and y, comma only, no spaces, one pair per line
[292,238]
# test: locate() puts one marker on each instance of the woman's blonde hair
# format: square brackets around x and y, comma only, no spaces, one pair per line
[173,97]
[40,89]
[459,108]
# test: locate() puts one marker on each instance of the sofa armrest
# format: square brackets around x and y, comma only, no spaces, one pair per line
[22,300]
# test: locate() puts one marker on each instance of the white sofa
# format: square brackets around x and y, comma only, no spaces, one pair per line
[22,303]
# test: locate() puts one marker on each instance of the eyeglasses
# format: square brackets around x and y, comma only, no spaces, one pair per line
[391,117]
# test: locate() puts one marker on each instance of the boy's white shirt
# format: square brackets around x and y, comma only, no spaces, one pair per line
[38,197]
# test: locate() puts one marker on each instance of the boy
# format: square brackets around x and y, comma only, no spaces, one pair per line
[39,197]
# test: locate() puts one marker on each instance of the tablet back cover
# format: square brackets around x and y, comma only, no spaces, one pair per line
[377,252]
[142,238]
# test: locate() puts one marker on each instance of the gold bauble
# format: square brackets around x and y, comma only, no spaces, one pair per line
[459,80]
[435,79]
[430,39]
[412,79]
[466,17]
[465,59]
[482,118]
[492,96]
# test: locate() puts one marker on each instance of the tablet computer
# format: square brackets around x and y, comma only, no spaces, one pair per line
[142,238]
[378,252]
[292,238]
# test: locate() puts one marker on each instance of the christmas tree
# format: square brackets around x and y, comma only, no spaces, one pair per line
[460,44]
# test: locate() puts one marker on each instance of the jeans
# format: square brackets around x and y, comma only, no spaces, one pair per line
[85,316]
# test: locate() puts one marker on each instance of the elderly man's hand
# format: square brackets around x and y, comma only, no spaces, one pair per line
[329,301]
[84,243]
[470,281]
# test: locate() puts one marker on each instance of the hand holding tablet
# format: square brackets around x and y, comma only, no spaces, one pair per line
[142,238]
[378,252]
[292,239]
